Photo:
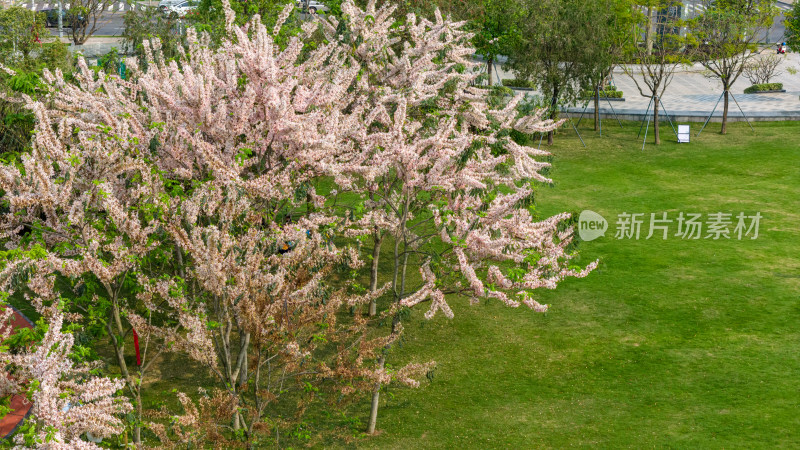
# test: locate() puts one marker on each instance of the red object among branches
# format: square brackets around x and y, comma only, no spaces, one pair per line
[136,346]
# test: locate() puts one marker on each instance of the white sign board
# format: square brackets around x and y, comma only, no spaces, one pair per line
[683,134]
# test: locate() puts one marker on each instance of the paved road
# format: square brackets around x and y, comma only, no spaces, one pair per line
[109,24]
[117,6]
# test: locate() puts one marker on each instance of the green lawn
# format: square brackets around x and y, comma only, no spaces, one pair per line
[676,343]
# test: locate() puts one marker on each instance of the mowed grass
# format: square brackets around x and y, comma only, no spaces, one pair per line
[669,343]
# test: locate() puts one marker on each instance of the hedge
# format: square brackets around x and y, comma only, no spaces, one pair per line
[603,94]
[764,87]
[518,83]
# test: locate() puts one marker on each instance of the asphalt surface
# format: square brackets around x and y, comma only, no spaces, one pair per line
[108,24]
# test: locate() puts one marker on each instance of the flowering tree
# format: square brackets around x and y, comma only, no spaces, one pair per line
[170,202]
[91,199]
[182,205]
[67,400]
[441,172]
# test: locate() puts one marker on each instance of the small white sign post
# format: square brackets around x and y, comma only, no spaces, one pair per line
[683,134]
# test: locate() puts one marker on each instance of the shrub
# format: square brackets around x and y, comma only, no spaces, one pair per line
[764,87]
[763,68]
[609,92]
[517,83]
[18,41]
[54,55]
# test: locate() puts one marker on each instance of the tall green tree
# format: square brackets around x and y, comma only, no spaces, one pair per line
[210,18]
[141,25]
[494,24]
[551,50]
[792,24]
[22,32]
[611,28]
[726,37]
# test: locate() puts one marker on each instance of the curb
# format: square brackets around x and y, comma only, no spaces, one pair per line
[693,116]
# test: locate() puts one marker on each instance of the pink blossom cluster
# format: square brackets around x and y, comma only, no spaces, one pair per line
[67,401]
[194,180]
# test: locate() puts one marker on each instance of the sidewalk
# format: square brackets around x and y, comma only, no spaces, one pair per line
[691,96]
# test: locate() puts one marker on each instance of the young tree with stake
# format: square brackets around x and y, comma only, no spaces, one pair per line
[652,68]
[726,36]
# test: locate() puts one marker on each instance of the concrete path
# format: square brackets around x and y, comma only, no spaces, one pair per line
[691,96]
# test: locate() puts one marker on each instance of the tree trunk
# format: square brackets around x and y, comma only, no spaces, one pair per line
[597,108]
[725,112]
[403,277]
[309,205]
[137,429]
[244,340]
[648,34]
[376,396]
[655,119]
[119,350]
[489,69]
[553,113]
[373,276]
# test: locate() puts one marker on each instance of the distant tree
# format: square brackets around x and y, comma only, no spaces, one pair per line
[494,24]
[653,57]
[726,36]
[22,33]
[611,31]
[792,24]
[762,69]
[141,25]
[551,49]
[84,18]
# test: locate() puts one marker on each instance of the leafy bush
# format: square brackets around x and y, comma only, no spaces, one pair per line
[146,24]
[25,83]
[608,92]
[764,87]
[55,55]
[18,41]
[16,122]
[111,62]
[514,82]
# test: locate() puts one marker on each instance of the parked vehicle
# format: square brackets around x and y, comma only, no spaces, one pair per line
[312,6]
[67,18]
[164,5]
[181,9]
